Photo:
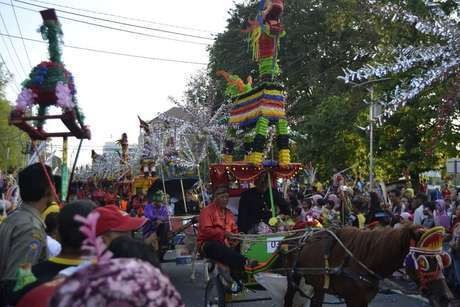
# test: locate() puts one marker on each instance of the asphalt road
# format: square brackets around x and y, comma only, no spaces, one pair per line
[193,292]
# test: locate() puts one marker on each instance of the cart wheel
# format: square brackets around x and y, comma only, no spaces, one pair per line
[214,295]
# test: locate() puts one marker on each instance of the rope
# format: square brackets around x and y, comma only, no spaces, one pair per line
[265,237]
[353,256]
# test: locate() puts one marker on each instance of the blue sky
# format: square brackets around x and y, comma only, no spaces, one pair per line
[113,90]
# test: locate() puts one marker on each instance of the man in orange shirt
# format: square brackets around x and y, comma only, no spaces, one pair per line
[216,226]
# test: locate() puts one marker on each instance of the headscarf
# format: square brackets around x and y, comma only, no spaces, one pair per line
[406,216]
[335,199]
[441,218]
[315,198]
[409,193]
[113,282]
[117,282]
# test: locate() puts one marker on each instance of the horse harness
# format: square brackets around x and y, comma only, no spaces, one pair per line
[369,277]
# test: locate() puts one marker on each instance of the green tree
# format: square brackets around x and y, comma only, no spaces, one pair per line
[12,140]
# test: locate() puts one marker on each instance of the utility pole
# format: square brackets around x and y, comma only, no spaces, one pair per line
[371,140]
[370,88]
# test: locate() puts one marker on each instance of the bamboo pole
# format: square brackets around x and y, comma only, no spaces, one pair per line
[64,169]
[183,195]
[270,191]
[73,169]
[201,183]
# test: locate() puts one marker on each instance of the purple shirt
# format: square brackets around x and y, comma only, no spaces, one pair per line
[154,212]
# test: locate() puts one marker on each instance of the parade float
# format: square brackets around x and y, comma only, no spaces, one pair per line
[50,86]
[257,124]
[257,127]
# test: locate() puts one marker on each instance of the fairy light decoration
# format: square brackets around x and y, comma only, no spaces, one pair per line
[438,61]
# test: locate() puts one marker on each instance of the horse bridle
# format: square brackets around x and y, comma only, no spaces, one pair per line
[424,277]
[327,271]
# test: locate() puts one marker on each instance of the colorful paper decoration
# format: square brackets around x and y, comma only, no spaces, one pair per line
[49,84]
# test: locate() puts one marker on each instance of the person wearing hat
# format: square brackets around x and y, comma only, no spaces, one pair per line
[50,217]
[113,223]
[254,205]
[155,230]
[215,230]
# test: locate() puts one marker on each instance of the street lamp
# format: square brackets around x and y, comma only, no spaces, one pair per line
[370,88]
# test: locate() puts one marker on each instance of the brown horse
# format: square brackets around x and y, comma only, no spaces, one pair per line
[380,251]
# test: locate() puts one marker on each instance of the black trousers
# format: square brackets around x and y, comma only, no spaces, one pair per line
[221,253]
[162,233]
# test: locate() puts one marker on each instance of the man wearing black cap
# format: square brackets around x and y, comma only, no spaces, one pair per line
[255,205]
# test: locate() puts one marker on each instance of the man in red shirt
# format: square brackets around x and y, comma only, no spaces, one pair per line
[216,226]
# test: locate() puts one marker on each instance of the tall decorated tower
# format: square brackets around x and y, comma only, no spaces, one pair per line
[259,109]
[258,129]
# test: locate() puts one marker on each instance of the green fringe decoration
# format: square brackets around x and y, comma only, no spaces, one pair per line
[282,127]
[79,114]
[254,37]
[262,126]
[41,112]
[231,91]
[52,32]
[266,67]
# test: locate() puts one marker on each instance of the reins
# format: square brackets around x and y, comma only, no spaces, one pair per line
[365,267]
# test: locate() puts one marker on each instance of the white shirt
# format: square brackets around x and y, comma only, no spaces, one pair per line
[418,215]
[54,247]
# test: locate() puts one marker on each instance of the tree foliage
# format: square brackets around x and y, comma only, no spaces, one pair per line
[12,140]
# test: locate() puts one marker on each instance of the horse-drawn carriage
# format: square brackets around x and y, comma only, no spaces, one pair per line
[264,248]
[345,261]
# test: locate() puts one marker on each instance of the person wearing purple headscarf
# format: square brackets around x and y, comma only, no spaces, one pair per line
[155,231]
[117,282]
[441,218]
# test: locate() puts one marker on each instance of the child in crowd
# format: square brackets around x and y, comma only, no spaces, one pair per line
[428,212]
[303,209]
[317,207]
[405,218]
